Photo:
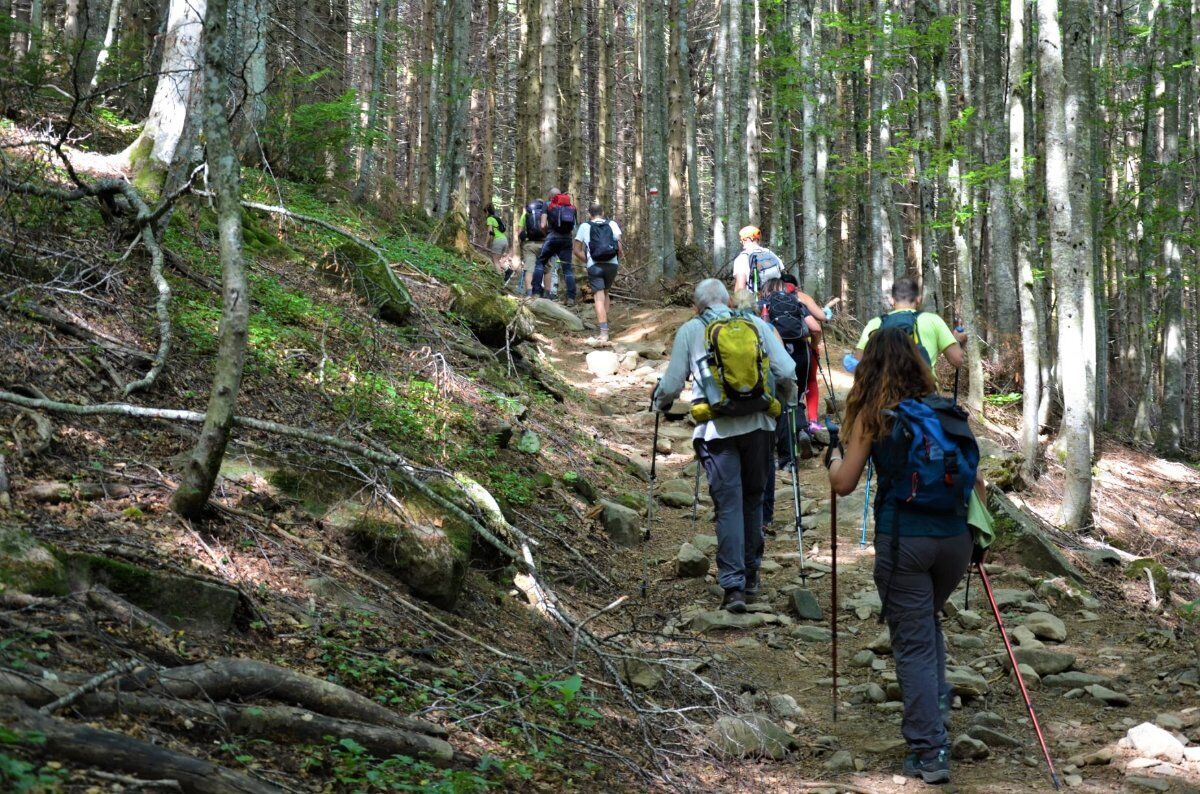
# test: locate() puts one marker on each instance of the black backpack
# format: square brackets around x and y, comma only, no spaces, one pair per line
[500,227]
[562,218]
[534,211]
[907,321]
[602,243]
[787,315]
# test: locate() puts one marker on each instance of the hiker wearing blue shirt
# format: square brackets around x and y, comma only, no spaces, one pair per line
[734,450]
[920,555]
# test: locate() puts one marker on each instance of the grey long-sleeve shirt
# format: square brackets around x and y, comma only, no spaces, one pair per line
[689,349]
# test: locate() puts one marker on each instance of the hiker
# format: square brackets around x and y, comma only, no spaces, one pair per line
[733,435]
[929,330]
[558,224]
[807,356]
[920,555]
[598,242]
[755,265]
[531,235]
[497,240]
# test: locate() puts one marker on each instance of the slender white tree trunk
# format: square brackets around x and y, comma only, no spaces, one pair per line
[549,116]
[150,155]
[1071,272]
[110,35]
[1171,430]
[813,275]
[720,167]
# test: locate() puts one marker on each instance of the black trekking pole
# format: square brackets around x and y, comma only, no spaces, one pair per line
[650,493]
[1012,658]
[790,418]
[833,598]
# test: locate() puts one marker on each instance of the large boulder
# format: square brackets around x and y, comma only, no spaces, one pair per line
[1046,626]
[751,736]
[1019,533]
[182,602]
[419,542]
[621,523]
[603,362]
[27,566]
[1044,662]
[493,315]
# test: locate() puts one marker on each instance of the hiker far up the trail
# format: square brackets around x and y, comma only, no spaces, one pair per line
[497,240]
[922,542]
[598,243]
[928,330]
[531,236]
[755,265]
[730,357]
[558,224]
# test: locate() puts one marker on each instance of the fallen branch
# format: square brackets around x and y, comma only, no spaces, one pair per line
[76,330]
[101,597]
[83,745]
[91,685]
[393,461]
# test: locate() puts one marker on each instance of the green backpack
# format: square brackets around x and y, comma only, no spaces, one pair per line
[734,370]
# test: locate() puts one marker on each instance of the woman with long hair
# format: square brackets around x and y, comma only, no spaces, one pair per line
[919,557]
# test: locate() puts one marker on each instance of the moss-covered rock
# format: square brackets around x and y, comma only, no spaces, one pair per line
[419,542]
[491,313]
[183,602]
[27,566]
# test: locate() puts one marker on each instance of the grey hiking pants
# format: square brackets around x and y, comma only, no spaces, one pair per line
[926,572]
[737,468]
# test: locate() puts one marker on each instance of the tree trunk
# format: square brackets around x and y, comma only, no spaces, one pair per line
[654,133]
[678,76]
[1032,332]
[1002,294]
[930,260]
[200,472]
[605,121]
[366,162]
[110,33]
[548,122]
[720,167]
[572,118]
[1171,429]
[883,256]
[150,154]
[253,57]
[683,56]
[1071,273]
[753,114]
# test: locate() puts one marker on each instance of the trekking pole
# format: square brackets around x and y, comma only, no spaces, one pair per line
[650,494]
[1012,658]
[791,420]
[833,598]
[862,544]
[696,497]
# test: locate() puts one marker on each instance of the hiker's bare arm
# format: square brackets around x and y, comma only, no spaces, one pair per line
[953,354]
[580,254]
[739,283]
[981,487]
[814,309]
[844,474]
[858,354]
[813,325]
[671,384]
[620,250]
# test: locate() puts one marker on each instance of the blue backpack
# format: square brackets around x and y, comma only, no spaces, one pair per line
[938,471]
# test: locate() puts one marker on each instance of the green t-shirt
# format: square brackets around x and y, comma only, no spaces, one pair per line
[493,225]
[935,334]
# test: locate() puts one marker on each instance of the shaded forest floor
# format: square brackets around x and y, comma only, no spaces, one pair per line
[531,705]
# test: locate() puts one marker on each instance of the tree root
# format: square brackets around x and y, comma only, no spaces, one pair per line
[224,679]
[109,750]
[282,724]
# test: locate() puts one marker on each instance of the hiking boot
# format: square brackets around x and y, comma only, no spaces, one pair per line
[932,767]
[570,301]
[734,601]
[769,530]
[752,584]
[603,338]
[508,274]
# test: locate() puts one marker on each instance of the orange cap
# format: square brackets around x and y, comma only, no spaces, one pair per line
[749,233]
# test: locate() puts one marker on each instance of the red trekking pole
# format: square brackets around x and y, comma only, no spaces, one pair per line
[833,607]
[1012,658]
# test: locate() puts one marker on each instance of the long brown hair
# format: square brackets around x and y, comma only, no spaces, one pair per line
[891,370]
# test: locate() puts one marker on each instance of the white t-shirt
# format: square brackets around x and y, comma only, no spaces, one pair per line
[584,235]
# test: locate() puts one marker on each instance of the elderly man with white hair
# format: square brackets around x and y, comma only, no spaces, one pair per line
[734,450]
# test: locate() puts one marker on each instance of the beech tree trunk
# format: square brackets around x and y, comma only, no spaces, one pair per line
[1071,272]
[200,471]
[150,154]
[548,122]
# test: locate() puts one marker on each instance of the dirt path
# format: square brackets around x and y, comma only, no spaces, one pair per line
[1108,637]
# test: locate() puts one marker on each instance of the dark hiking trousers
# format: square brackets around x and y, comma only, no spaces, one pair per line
[784,452]
[560,247]
[927,571]
[737,468]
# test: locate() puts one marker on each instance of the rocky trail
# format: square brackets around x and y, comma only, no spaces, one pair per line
[1114,686]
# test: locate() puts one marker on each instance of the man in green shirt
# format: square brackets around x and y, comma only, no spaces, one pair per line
[930,329]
